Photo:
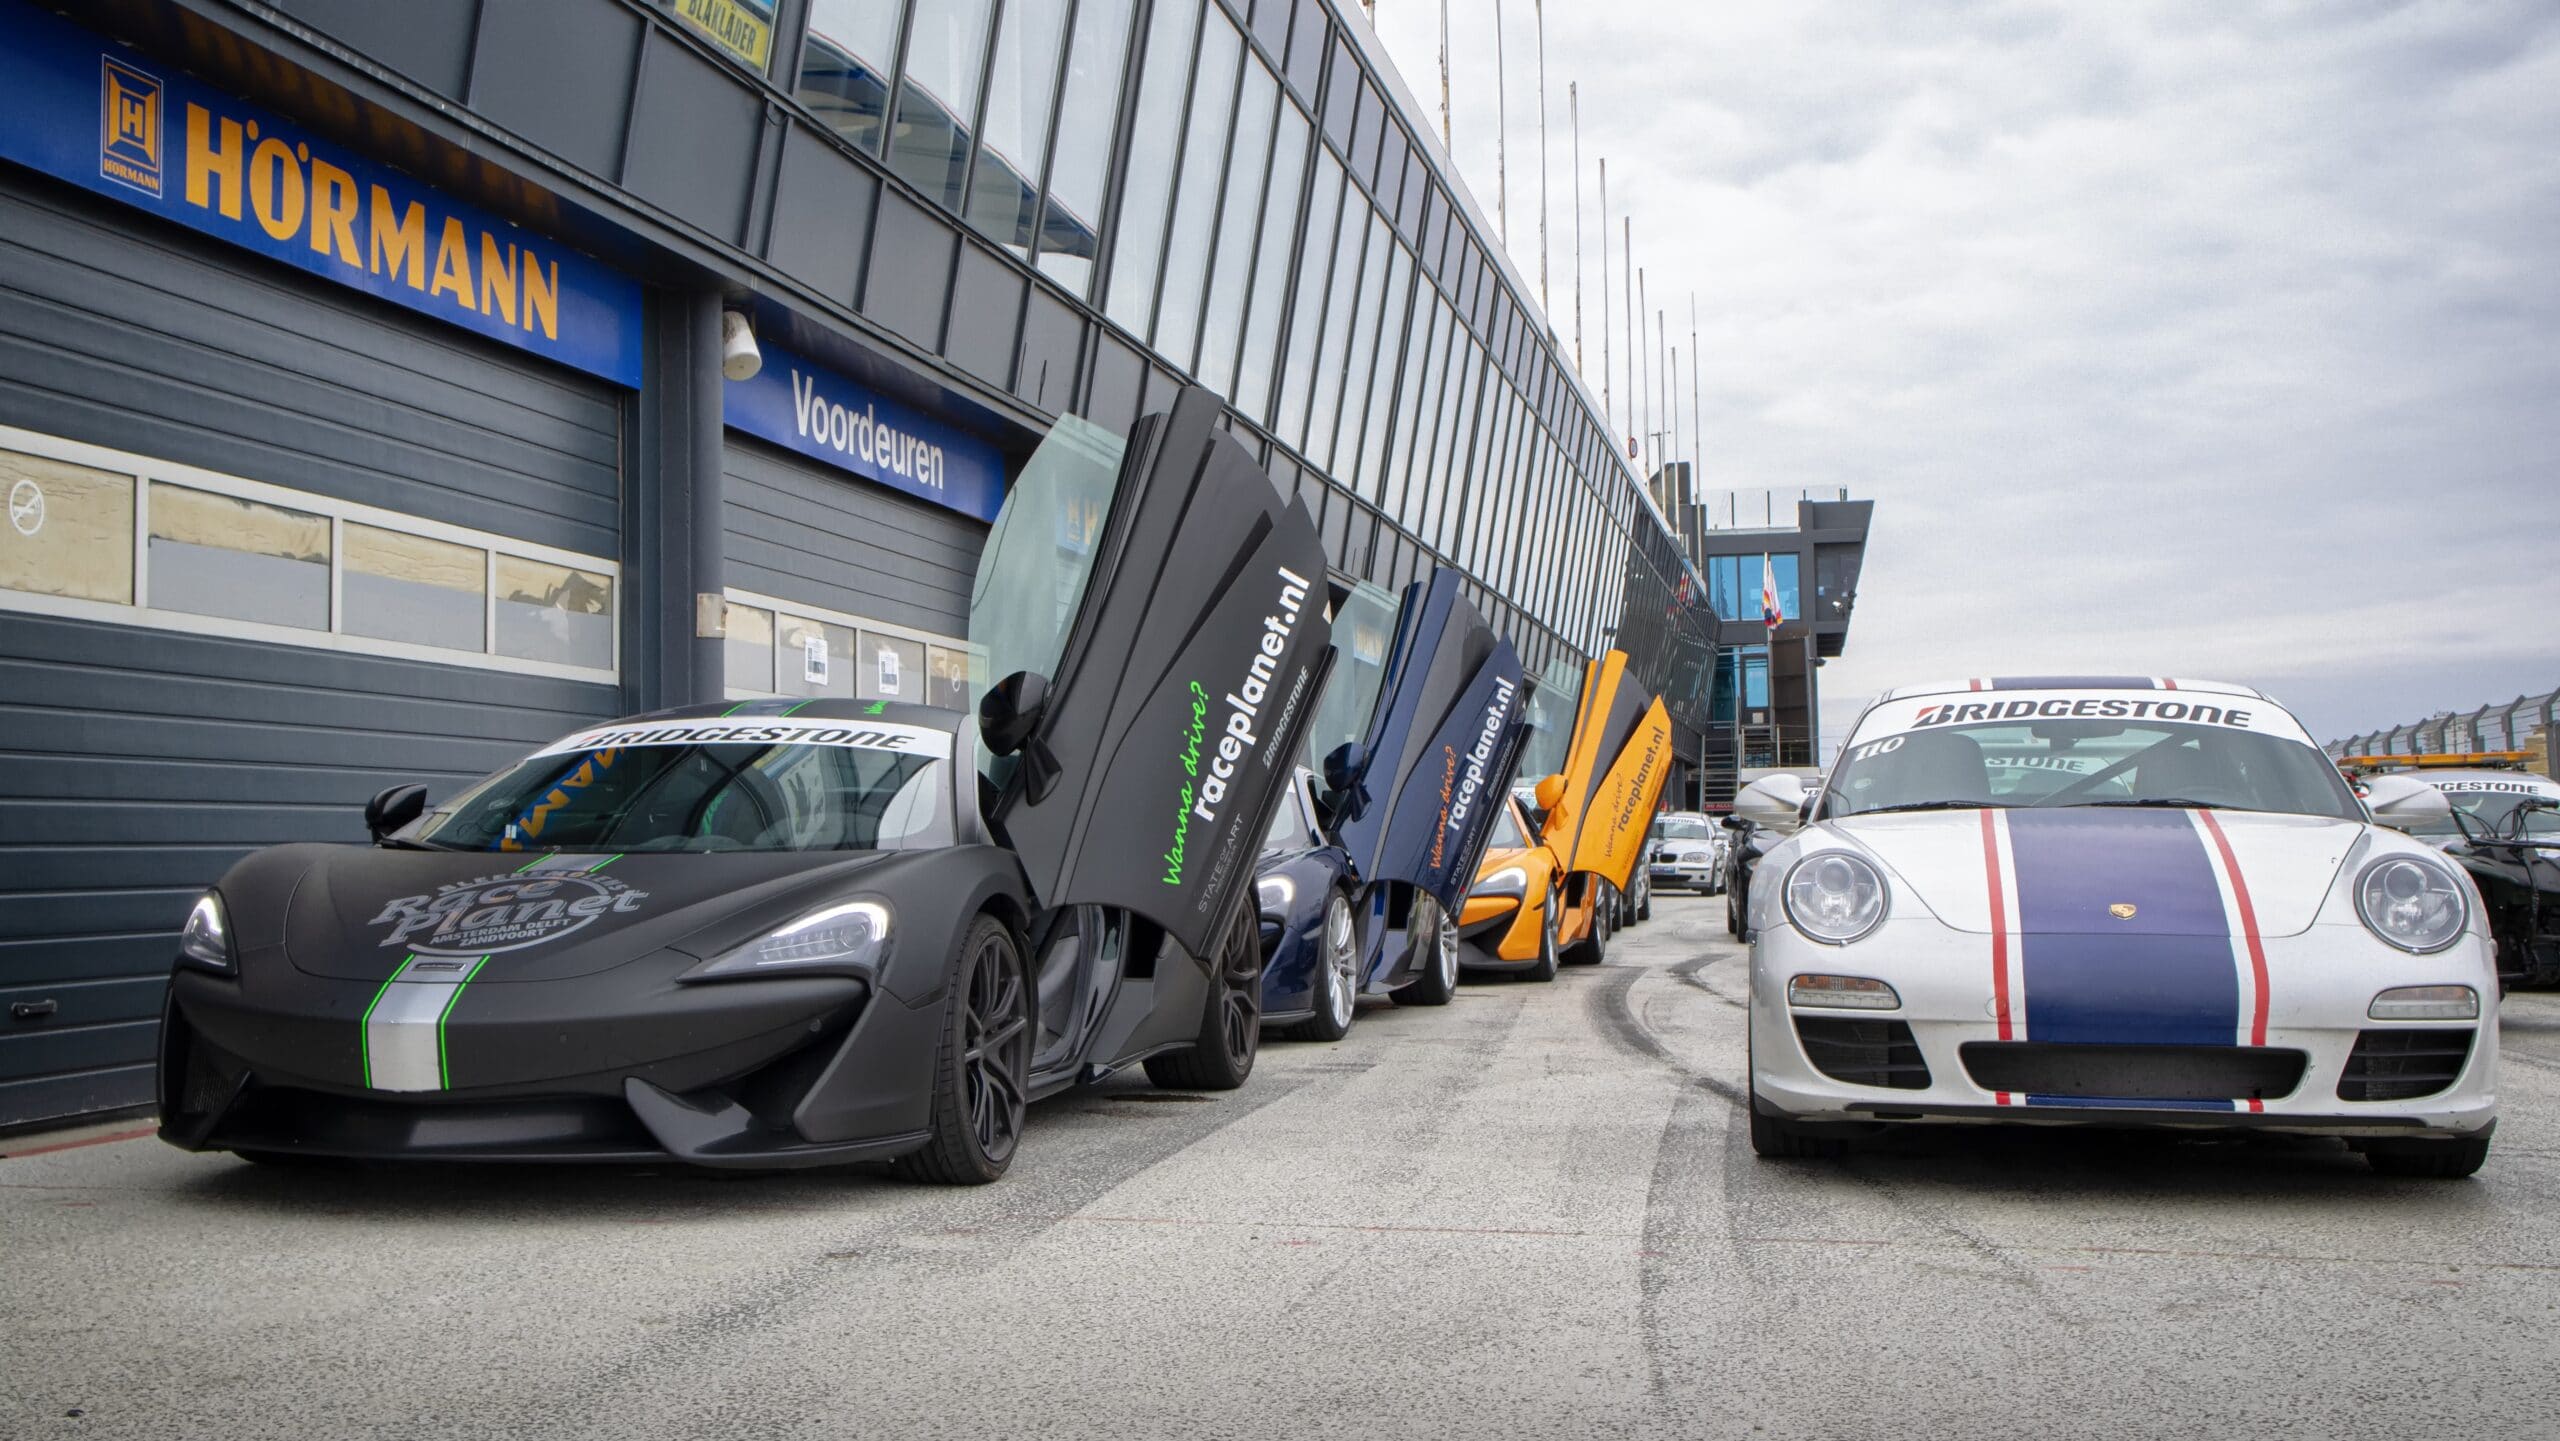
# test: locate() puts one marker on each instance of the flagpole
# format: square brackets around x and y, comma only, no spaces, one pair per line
[1545,306]
[1501,135]
[1444,79]
[1573,100]
[1608,406]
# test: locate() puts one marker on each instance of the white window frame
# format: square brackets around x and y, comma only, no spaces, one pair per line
[859,624]
[144,469]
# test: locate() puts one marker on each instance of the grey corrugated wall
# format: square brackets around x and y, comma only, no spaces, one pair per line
[135,764]
[804,533]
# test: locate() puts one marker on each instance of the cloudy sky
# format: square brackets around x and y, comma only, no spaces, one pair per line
[2213,339]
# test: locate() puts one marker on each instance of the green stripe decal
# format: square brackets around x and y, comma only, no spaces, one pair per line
[444,1062]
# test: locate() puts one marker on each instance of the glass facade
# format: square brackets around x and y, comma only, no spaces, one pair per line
[1733,586]
[1242,189]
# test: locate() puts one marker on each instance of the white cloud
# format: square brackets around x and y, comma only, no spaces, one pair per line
[2211,338]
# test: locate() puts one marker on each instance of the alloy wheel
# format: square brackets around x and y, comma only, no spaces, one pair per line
[1341,960]
[996,1042]
[1444,942]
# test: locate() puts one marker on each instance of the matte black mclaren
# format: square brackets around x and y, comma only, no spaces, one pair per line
[791,933]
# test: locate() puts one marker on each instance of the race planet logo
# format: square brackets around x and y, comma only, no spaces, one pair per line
[863,435]
[502,913]
[1487,741]
[2111,708]
[1200,798]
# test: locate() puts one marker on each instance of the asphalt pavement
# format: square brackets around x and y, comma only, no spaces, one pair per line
[1530,1213]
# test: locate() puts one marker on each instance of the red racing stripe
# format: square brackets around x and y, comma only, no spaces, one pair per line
[2248,930]
[1999,931]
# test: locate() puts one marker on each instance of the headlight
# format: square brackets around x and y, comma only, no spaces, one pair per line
[1508,881]
[1274,893]
[1835,897]
[1843,993]
[2413,904]
[846,939]
[2426,1003]
[205,940]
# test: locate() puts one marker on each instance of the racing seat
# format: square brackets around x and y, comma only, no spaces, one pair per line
[2185,770]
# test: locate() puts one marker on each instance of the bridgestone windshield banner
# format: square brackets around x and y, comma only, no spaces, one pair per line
[1186,684]
[1443,741]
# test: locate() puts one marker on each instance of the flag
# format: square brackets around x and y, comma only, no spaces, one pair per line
[1770,612]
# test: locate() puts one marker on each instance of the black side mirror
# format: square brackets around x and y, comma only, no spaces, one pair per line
[394,807]
[1734,823]
[1009,716]
[1345,798]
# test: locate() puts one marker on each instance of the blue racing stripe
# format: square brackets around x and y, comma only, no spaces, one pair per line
[2163,976]
[2074,682]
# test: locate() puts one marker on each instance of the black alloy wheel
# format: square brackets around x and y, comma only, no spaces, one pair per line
[1221,1056]
[979,1085]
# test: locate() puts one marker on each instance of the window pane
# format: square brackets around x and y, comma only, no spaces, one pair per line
[1221,333]
[70,529]
[938,96]
[407,587]
[744,28]
[844,69]
[551,612]
[1137,246]
[1204,159]
[1415,408]
[216,555]
[947,678]
[747,654]
[1382,381]
[1334,346]
[1072,220]
[1357,362]
[812,657]
[1306,324]
[891,669]
[1004,188]
[1271,267]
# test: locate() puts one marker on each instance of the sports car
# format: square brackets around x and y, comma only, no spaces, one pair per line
[1303,892]
[779,933]
[2503,828]
[1554,896]
[2193,924]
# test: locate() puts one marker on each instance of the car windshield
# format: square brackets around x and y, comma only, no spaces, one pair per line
[2094,762]
[701,797]
[2492,813]
[1683,828]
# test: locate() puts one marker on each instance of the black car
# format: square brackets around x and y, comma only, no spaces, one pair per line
[791,933]
[2515,861]
[1750,842]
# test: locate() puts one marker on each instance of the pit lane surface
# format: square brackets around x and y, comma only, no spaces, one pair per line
[1532,1213]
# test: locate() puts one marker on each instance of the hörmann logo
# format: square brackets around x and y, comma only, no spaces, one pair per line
[1244,705]
[489,914]
[129,126]
[1488,740]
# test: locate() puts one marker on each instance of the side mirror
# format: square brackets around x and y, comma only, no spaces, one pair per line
[1008,716]
[1549,791]
[2405,803]
[1344,769]
[1734,823]
[1775,801]
[394,807]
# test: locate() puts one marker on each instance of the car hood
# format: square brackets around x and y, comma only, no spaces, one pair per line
[2063,869]
[543,918]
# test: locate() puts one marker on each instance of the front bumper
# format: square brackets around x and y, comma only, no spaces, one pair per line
[1690,875]
[830,1075]
[2320,986]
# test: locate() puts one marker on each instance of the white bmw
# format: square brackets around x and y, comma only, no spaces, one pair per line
[2111,901]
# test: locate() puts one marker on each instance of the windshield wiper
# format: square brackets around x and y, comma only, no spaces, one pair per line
[2165,802]
[1929,806]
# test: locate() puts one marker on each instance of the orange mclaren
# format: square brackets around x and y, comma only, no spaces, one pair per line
[1564,846]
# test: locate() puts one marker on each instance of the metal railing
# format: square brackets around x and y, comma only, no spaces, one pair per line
[1761,509]
[2527,723]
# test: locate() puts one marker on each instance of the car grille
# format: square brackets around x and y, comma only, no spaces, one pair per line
[1864,1053]
[2134,1073]
[2400,1065]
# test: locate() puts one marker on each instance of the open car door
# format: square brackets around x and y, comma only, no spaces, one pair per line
[1415,800]
[1613,773]
[1149,761]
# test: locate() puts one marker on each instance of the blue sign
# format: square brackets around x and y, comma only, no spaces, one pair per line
[92,112]
[822,415]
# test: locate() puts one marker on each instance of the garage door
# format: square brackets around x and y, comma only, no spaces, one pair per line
[357,549]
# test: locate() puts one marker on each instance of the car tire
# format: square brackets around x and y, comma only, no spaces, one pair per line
[1439,979]
[1221,1057]
[1594,948]
[1644,901]
[981,1069]
[1338,977]
[1732,917]
[1545,968]
[2433,1160]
